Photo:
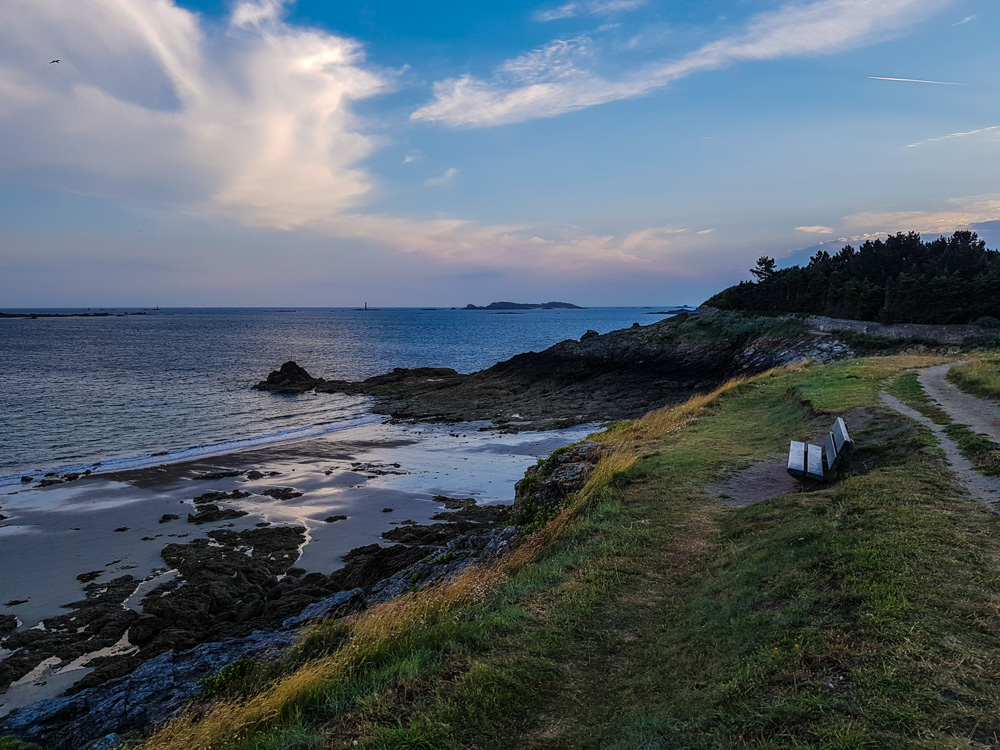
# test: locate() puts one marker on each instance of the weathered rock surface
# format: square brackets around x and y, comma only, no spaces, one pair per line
[282,493]
[548,484]
[152,693]
[617,375]
[209,513]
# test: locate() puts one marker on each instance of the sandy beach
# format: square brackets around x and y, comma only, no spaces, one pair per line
[67,542]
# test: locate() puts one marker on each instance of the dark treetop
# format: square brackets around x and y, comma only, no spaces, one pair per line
[899,280]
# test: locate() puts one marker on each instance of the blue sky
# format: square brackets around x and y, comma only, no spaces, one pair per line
[598,151]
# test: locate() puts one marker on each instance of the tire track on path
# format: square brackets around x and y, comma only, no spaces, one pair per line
[980,415]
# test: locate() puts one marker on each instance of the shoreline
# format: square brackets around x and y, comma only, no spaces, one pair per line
[124,465]
[105,535]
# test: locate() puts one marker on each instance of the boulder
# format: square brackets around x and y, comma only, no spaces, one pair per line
[289,376]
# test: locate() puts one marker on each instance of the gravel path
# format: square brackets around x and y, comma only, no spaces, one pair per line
[984,489]
[981,415]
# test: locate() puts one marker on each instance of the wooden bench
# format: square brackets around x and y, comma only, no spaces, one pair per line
[820,463]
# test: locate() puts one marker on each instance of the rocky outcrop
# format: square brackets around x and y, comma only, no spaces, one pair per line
[549,484]
[151,694]
[602,377]
[289,378]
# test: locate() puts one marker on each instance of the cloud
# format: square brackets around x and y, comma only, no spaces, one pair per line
[559,60]
[249,122]
[992,133]
[802,28]
[591,8]
[957,213]
[915,80]
[254,122]
[444,179]
[815,230]
[706,231]
[965,20]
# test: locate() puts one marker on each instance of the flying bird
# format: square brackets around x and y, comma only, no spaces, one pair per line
[54,61]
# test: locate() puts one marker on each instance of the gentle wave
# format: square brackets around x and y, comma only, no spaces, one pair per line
[197,451]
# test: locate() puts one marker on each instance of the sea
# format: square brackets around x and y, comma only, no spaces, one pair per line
[140,387]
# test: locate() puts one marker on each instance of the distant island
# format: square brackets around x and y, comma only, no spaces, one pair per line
[525,306]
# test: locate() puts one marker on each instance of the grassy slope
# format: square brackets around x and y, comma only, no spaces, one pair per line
[980,377]
[861,615]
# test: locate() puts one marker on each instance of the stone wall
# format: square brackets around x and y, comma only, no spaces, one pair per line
[954,334]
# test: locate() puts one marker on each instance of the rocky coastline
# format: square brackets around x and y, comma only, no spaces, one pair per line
[598,378]
[231,592]
[242,597]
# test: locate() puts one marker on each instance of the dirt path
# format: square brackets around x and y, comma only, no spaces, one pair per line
[981,415]
[985,489]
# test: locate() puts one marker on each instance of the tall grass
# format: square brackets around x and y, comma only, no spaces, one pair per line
[980,377]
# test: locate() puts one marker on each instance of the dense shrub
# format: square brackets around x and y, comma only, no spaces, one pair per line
[899,280]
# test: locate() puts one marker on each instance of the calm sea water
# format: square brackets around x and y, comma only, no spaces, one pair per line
[117,390]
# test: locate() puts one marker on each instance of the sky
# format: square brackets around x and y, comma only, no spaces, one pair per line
[601,152]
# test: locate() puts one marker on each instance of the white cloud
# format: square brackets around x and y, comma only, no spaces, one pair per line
[558,60]
[991,134]
[915,80]
[444,179]
[814,229]
[591,8]
[957,213]
[965,20]
[706,231]
[250,123]
[253,122]
[801,28]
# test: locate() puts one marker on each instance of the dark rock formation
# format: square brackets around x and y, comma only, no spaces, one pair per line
[617,375]
[209,513]
[548,484]
[215,475]
[214,497]
[151,694]
[285,379]
[282,493]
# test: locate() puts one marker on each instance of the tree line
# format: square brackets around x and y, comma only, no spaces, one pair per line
[901,279]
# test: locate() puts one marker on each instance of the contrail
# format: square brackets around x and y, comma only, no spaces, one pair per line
[916,80]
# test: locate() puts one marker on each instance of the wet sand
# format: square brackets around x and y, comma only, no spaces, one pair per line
[53,534]
[377,475]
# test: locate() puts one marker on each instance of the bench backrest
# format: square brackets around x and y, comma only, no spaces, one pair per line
[840,436]
[808,460]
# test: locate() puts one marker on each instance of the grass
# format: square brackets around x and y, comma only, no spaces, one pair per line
[907,389]
[725,326]
[648,615]
[979,449]
[981,377]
